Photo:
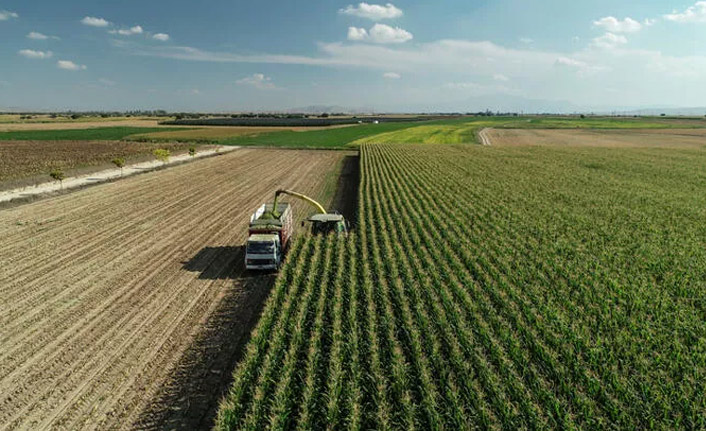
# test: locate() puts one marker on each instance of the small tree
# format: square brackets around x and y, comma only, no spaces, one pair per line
[162,155]
[58,175]
[120,163]
[192,151]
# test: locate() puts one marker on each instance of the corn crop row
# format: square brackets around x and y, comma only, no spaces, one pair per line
[491,288]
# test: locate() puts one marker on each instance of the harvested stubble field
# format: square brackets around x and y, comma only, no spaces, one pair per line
[123,302]
[23,159]
[15,126]
[493,288]
[664,138]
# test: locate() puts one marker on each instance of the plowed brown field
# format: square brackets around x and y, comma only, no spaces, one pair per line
[676,138]
[106,291]
[22,159]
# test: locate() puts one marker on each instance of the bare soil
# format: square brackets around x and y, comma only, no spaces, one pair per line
[676,138]
[125,305]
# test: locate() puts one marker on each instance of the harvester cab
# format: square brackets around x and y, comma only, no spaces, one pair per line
[324,224]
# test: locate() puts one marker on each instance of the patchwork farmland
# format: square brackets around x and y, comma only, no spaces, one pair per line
[550,280]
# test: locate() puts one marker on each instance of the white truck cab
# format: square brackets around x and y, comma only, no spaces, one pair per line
[263,252]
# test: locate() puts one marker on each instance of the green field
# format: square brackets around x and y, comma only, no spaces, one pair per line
[493,287]
[327,138]
[452,131]
[449,131]
[96,134]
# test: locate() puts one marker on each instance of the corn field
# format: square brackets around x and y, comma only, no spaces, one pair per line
[492,288]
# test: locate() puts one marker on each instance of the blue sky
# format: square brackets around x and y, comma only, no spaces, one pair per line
[401,56]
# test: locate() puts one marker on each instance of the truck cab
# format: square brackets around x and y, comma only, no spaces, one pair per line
[269,233]
[263,252]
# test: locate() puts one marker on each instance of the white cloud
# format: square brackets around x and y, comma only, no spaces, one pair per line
[128,31]
[374,12]
[526,40]
[391,75]
[648,22]
[95,22]
[565,61]
[69,65]
[30,53]
[163,37]
[695,13]
[357,34]
[500,77]
[581,68]
[609,41]
[6,15]
[257,80]
[37,36]
[195,91]
[379,33]
[614,25]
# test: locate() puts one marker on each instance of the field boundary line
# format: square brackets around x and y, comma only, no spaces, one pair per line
[106,175]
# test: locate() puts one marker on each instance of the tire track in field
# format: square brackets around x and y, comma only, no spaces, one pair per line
[484,137]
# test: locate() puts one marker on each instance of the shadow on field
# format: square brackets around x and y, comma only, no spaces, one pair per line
[201,379]
[211,261]
[345,201]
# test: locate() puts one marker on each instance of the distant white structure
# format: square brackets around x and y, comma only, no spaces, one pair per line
[376,122]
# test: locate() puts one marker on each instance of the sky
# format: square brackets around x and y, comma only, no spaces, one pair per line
[404,56]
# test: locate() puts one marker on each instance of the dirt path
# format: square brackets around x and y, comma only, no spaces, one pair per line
[115,297]
[106,175]
[483,136]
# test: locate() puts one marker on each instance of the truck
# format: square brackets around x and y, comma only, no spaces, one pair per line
[268,236]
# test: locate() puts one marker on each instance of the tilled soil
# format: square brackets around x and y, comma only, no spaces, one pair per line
[676,138]
[125,305]
[34,160]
